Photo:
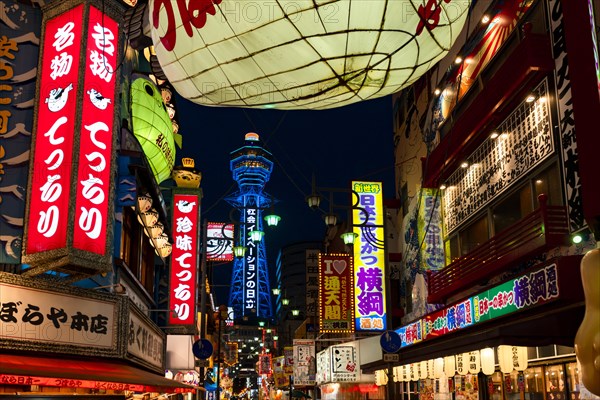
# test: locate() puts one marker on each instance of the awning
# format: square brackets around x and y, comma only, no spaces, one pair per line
[61,371]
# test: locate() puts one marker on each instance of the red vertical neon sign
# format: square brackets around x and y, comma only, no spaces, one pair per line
[182,290]
[53,148]
[96,134]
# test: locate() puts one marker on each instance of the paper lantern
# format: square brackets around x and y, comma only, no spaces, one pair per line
[381,378]
[511,358]
[398,376]
[154,231]
[144,203]
[488,365]
[423,370]
[406,373]
[473,362]
[414,371]
[449,366]
[303,54]
[430,369]
[438,367]
[461,364]
[152,127]
[148,218]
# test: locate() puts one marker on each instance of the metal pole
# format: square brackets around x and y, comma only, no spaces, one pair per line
[203,290]
[218,392]
[391,389]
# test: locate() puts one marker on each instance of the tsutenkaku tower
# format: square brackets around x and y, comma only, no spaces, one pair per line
[251,167]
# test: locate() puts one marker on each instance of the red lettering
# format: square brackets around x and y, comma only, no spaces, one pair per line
[429,15]
[195,16]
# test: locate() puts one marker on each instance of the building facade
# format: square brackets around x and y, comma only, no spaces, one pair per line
[495,173]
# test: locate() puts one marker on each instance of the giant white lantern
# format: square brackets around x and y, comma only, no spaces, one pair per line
[300,54]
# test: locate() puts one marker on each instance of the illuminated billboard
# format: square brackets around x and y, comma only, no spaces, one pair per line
[336,293]
[96,134]
[219,241]
[52,164]
[182,289]
[369,257]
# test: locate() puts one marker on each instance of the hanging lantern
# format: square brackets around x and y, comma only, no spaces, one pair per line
[349,237]
[256,236]
[511,358]
[149,218]
[461,364]
[381,378]
[449,366]
[398,374]
[430,368]
[161,240]
[155,230]
[343,51]
[152,127]
[423,370]
[488,366]
[165,250]
[272,219]
[239,251]
[144,203]
[438,367]
[473,362]
[406,373]
[414,371]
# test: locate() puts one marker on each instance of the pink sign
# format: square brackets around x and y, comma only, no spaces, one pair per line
[182,290]
[96,136]
[53,147]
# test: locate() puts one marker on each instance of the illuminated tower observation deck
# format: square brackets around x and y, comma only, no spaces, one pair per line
[251,166]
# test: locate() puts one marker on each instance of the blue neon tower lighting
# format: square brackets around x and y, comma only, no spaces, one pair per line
[251,167]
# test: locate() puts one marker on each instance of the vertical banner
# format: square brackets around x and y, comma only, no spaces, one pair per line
[312,283]
[369,257]
[182,289]
[324,366]
[96,135]
[50,172]
[18,66]
[264,364]
[281,380]
[336,293]
[251,270]
[305,363]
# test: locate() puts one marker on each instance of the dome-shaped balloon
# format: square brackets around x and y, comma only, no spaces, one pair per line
[300,54]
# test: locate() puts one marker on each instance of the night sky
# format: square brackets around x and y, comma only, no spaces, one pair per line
[337,145]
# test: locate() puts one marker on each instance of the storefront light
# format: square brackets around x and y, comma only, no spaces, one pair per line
[487,361]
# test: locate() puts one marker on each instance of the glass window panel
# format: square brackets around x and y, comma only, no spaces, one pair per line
[546,351]
[511,210]
[496,386]
[534,383]
[476,234]
[549,183]
[555,382]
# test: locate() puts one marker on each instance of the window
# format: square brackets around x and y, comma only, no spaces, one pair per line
[136,251]
[474,235]
[512,209]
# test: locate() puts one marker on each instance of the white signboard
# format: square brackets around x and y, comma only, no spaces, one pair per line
[344,365]
[143,342]
[324,366]
[304,362]
[37,315]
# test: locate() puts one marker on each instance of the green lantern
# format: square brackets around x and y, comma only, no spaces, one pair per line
[152,127]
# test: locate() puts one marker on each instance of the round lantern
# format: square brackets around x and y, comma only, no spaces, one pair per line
[438,367]
[430,369]
[303,54]
[381,377]
[488,365]
[449,366]
[405,373]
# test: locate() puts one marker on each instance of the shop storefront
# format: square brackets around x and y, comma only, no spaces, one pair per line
[510,342]
[63,339]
